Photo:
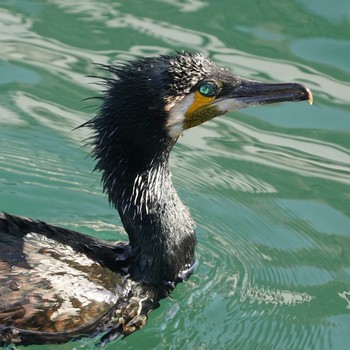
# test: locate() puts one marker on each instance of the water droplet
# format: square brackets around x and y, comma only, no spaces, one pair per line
[14,285]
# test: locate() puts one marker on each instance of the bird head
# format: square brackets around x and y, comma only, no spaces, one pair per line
[150,102]
[201,90]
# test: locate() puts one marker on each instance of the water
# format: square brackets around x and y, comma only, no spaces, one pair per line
[268,186]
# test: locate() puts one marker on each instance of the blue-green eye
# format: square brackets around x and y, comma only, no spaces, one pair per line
[207,89]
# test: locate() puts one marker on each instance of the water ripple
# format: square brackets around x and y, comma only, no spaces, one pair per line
[53,116]
[296,154]
[273,267]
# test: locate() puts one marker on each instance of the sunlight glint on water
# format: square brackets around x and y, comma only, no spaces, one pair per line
[268,187]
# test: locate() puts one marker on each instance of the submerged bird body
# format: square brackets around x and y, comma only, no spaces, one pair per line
[57,284]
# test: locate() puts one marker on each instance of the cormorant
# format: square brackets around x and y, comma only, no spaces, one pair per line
[57,284]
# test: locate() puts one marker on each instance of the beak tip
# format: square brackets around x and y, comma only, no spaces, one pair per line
[309,96]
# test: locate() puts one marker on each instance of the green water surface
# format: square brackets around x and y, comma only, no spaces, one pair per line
[268,186]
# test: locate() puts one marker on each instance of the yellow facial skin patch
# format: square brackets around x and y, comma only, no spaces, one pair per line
[199,102]
[200,111]
[191,111]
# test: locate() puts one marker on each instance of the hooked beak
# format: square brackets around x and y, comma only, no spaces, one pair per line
[249,93]
[240,94]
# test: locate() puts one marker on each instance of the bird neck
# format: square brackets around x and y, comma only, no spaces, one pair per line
[159,226]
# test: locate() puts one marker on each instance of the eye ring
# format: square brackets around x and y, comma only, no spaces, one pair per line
[208,88]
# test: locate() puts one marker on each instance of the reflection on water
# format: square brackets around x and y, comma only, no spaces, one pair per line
[304,156]
[268,188]
[268,296]
[52,115]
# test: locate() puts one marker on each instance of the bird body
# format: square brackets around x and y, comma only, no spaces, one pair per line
[57,284]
